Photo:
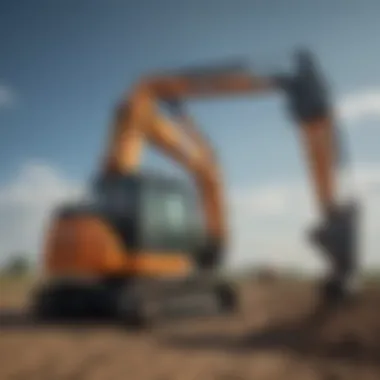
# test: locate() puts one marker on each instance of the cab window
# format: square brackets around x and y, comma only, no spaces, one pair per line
[165,221]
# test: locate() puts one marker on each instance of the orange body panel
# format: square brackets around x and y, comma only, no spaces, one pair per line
[86,246]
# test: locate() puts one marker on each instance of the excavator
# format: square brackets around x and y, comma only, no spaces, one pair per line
[142,242]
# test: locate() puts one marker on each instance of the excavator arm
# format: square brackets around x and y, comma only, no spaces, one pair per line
[139,119]
[138,114]
[336,235]
[181,141]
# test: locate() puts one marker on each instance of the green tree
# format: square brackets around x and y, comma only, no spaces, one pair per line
[17,265]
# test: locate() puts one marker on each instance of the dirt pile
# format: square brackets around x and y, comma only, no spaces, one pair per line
[275,336]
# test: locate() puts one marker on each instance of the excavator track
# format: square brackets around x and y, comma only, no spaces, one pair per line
[140,305]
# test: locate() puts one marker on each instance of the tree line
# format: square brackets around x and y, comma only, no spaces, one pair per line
[18,264]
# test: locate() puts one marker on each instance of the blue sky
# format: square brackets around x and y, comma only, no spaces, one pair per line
[65,63]
[69,61]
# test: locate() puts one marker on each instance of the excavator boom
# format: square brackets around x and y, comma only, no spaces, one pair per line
[309,106]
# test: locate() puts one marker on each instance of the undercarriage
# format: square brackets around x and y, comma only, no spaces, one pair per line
[135,302]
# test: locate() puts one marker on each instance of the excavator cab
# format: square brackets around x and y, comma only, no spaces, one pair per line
[131,235]
[152,212]
[149,215]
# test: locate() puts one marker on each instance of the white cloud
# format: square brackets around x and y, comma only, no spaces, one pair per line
[360,105]
[274,231]
[7,96]
[25,206]
[267,222]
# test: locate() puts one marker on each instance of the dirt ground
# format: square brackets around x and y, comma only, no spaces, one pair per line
[276,335]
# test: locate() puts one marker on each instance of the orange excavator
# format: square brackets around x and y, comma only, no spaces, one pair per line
[138,233]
